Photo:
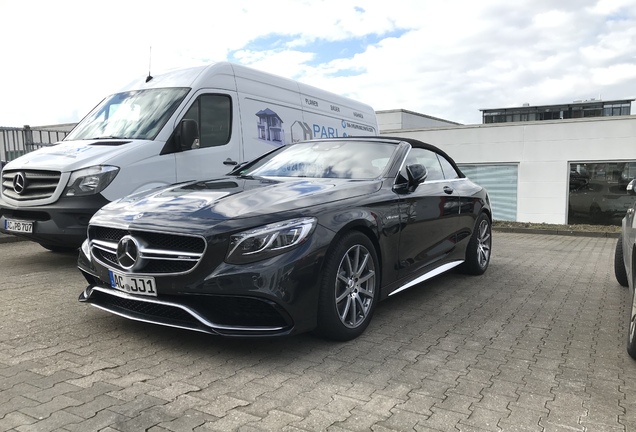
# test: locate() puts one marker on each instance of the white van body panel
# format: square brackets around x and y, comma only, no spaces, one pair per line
[267,111]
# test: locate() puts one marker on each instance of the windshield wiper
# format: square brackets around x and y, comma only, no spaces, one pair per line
[107,137]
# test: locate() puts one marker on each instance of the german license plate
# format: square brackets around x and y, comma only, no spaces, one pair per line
[140,285]
[18,226]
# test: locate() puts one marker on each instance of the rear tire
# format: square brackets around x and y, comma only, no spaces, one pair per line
[349,288]
[619,264]
[479,247]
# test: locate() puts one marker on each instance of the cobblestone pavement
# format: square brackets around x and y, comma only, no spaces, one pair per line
[536,344]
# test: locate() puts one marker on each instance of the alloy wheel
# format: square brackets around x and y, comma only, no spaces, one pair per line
[483,243]
[355,286]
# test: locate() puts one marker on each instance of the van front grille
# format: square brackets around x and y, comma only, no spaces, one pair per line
[25,185]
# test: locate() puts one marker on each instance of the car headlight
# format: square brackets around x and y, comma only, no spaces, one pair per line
[90,181]
[269,240]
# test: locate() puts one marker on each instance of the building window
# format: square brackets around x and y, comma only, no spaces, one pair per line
[555,112]
[500,180]
[597,193]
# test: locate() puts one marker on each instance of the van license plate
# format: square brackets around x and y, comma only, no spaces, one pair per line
[18,226]
[140,285]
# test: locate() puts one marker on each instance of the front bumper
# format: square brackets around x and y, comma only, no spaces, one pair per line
[62,224]
[209,314]
[273,297]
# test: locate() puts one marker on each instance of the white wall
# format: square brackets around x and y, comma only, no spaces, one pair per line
[543,151]
[404,119]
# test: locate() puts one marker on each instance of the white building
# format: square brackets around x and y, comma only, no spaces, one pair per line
[542,171]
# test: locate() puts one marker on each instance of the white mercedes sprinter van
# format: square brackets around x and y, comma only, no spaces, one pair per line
[189,124]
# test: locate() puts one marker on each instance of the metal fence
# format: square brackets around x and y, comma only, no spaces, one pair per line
[14,142]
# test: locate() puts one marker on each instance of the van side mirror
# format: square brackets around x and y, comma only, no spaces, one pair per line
[631,187]
[188,134]
[417,174]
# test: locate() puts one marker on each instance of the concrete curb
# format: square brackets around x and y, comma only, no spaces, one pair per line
[558,232]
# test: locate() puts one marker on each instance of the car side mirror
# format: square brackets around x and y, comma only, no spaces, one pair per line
[631,187]
[188,134]
[417,174]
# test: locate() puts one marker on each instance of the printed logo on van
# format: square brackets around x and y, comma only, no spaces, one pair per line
[270,127]
[302,131]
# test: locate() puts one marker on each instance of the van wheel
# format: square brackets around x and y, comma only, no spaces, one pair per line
[619,264]
[479,247]
[59,249]
[349,288]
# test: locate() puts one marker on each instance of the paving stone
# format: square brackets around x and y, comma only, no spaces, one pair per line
[535,344]
[131,408]
[443,420]
[483,419]
[187,421]
[89,409]
[49,408]
[15,419]
[58,389]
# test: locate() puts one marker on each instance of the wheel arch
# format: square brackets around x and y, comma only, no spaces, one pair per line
[362,227]
[487,211]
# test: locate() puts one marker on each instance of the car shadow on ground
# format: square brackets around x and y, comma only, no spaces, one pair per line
[408,311]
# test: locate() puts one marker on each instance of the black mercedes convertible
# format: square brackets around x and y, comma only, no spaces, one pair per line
[309,237]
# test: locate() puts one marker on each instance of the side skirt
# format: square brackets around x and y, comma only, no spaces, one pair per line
[439,270]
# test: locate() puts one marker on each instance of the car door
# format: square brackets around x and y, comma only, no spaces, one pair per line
[218,148]
[431,216]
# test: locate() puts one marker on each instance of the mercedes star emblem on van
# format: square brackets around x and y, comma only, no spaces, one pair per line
[19,183]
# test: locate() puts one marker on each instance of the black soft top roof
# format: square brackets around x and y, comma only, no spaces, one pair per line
[418,144]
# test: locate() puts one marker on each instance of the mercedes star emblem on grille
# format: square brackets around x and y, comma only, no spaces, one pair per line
[128,253]
[19,183]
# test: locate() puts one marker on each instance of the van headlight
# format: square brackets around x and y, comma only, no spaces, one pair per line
[90,181]
[269,240]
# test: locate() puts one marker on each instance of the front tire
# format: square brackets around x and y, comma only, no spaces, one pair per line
[479,247]
[619,264]
[349,288]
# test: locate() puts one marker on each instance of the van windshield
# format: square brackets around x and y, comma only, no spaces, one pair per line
[138,114]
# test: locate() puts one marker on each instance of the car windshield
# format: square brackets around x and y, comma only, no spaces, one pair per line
[327,159]
[138,114]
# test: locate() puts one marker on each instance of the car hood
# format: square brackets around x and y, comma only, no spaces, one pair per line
[229,198]
[71,155]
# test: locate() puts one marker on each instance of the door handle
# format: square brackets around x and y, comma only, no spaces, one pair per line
[229,161]
[448,190]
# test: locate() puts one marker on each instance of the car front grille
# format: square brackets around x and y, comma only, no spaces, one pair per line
[159,253]
[24,185]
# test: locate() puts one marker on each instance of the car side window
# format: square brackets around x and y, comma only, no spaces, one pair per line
[449,172]
[426,158]
[213,113]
